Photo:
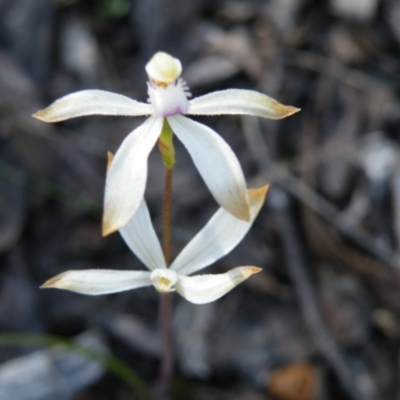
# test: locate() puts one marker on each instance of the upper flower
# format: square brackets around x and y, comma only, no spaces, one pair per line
[168,99]
[220,235]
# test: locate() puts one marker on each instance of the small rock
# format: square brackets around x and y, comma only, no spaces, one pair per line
[298,381]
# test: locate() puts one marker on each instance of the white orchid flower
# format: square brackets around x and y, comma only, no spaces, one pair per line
[168,99]
[218,237]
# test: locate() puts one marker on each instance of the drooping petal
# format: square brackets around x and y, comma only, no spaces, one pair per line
[141,238]
[242,102]
[92,102]
[221,234]
[217,164]
[99,281]
[202,289]
[127,175]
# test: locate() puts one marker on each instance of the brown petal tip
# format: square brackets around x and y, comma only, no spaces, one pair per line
[250,270]
[51,283]
[50,114]
[285,111]
[110,157]
[107,228]
[110,222]
[258,193]
[41,115]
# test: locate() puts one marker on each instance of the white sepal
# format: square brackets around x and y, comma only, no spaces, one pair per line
[141,238]
[99,281]
[217,164]
[127,175]
[239,101]
[220,235]
[92,102]
[202,289]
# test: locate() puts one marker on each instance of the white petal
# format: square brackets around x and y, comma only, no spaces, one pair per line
[141,238]
[127,175]
[92,102]
[221,234]
[238,101]
[216,163]
[202,289]
[99,281]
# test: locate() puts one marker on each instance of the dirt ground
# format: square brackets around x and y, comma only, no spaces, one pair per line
[321,322]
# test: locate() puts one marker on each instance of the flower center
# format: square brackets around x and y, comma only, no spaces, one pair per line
[170,99]
[164,280]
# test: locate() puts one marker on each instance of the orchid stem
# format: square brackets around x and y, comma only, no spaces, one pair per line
[167,217]
[166,366]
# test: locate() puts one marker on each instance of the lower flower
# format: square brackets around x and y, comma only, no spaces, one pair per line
[220,235]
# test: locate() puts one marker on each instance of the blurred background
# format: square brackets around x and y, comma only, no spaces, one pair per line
[322,319]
